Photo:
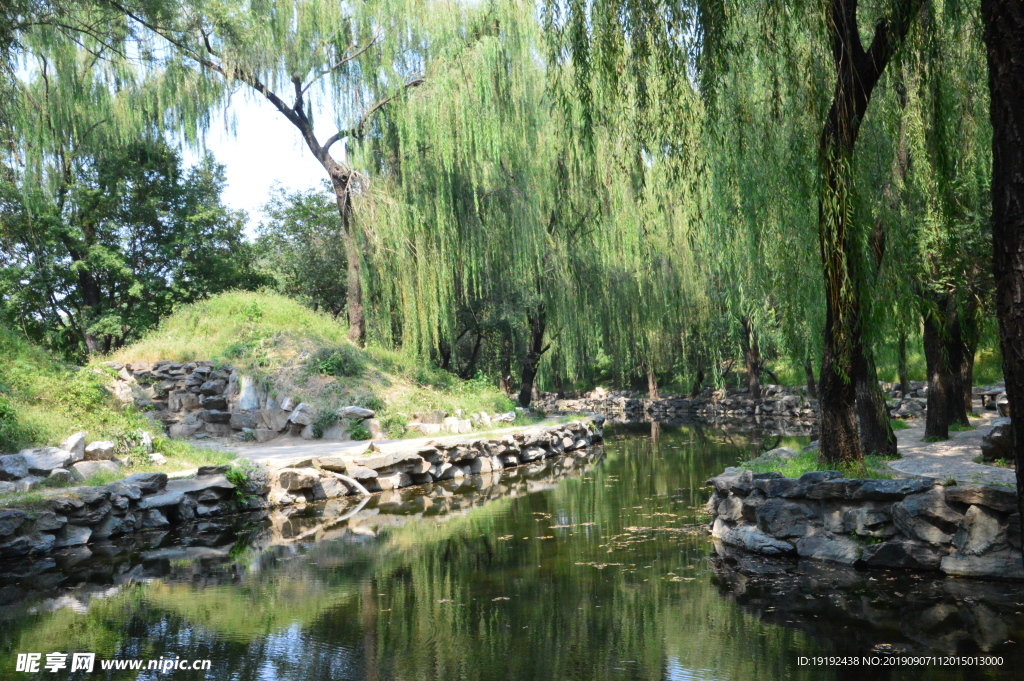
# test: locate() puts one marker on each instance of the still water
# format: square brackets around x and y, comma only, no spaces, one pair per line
[592,568]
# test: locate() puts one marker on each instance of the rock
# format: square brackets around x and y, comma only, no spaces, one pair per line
[100,450]
[451,424]
[308,433]
[1001,565]
[248,394]
[293,479]
[185,511]
[180,431]
[430,417]
[157,459]
[782,518]
[214,387]
[154,519]
[61,476]
[357,413]
[265,434]
[13,467]
[302,415]
[288,404]
[214,416]
[394,481]
[836,549]
[425,428]
[437,471]
[72,535]
[866,518]
[244,419]
[44,459]
[998,443]
[481,465]
[900,552]
[10,520]
[146,441]
[329,487]
[38,542]
[750,538]
[980,531]
[983,495]
[529,454]
[220,469]
[214,402]
[926,517]
[86,469]
[275,419]
[47,521]
[809,479]
[112,526]
[376,432]
[147,482]
[1003,405]
[75,445]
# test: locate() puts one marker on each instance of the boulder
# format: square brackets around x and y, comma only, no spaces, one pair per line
[48,521]
[60,476]
[1001,565]
[100,450]
[72,535]
[248,394]
[13,467]
[275,419]
[44,459]
[750,538]
[86,469]
[288,404]
[376,432]
[293,479]
[112,526]
[980,531]
[147,482]
[215,387]
[998,443]
[731,508]
[830,549]
[265,434]
[215,416]
[865,518]
[926,517]
[430,417]
[154,519]
[356,413]
[904,553]
[783,518]
[10,520]
[425,428]
[302,415]
[245,419]
[992,497]
[75,445]
[808,480]
[216,402]
[394,481]
[329,487]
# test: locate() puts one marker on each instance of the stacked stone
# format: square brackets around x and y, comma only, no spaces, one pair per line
[73,461]
[916,523]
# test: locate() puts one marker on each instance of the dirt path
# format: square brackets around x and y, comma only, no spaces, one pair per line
[953,458]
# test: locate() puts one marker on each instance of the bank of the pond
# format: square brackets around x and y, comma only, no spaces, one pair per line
[152,501]
[911,523]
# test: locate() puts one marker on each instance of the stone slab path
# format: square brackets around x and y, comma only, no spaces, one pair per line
[953,458]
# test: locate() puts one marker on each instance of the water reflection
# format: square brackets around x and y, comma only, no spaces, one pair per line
[585,569]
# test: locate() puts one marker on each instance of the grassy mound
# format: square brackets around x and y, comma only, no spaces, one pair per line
[307,356]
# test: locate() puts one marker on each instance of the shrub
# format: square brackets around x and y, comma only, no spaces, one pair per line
[358,431]
[394,425]
[340,361]
[323,421]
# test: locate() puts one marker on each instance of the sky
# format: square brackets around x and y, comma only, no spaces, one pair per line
[259,150]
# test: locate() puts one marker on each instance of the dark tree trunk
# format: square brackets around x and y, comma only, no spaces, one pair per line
[538,323]
[697,384]
[856,73]
[1004,38]
[876,435]
[444,352]
[354,284]
[652,383]
[470,370]
[937,421]
[970,327]
[902,366]
[505,379]
[955,360]
[812,387]
[752,358]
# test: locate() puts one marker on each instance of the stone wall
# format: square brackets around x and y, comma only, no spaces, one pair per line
[914,523]
[152,501]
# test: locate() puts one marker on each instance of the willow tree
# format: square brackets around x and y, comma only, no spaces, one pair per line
[308,59]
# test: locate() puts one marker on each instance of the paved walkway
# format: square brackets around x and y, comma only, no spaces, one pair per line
[953,458]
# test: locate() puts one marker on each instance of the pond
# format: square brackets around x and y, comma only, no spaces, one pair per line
[593,568]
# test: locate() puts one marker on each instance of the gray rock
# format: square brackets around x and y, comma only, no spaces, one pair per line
[61,476]
[213,387]
[926,517]
[731,508]
[154,519]
[147,482]
[38,542]
[293,479]
[146,441]
[44,459]
[72,535]
[165,500]
[865,518]
[48,521]
[75,445]
[112,526]
[908,554]
[775,487]
[13,467]
[248,394]
[185,511]
[983,495]
[430,417]
[275,419]
[997,443]
[356,413]
[214,402]
[265,434]
[308,433]
[1001,565]
[302,415]
[980,531]
[214,416]
[808,480]
[394,481]
[288,404]
[100,450]
[783,518]
[835,549]
[245,419]
[749,537]
[329,487]
[86,469]
[10,520]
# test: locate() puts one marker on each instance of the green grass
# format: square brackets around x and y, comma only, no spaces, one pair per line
[898,424]
[960,427]
[871,467]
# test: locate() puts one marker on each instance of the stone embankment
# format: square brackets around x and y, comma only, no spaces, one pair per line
[206,551]
[151,501]
[911,523]
[202,399]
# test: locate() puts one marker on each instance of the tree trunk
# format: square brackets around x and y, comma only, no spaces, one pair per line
[470,371]
[876,435]
[505,379]
[652,383]
[856,73]
[902,366]
[812,387]
[970,327]
[752,358]
[536,348]
[937,421]
[955,360]
[697,383]
[1004,38]
[354,291]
